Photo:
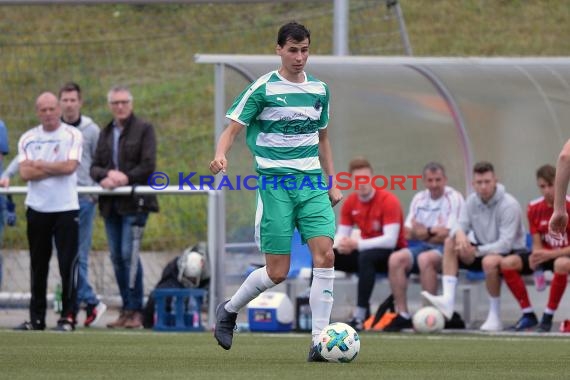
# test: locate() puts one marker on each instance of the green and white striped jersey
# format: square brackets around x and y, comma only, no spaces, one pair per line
[283,120]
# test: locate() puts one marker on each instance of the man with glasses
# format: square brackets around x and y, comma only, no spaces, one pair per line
[125,156]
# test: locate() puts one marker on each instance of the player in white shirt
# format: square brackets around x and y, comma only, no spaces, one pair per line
[433,212]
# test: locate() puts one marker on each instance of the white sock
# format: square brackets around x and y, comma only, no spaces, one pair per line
[495,307]
[405,315]
[527,310]
[321,299]
[256,283]
[448,284]
[549,311]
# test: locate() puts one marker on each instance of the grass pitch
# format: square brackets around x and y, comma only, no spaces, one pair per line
[104,354]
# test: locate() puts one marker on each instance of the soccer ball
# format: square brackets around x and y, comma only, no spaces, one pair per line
[428,320]
[339,343]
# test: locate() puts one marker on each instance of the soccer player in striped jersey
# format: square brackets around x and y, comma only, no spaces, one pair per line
[285,113]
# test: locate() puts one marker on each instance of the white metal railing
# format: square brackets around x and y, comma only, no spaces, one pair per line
[215,224]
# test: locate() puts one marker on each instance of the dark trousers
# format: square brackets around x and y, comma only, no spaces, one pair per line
[366,264]
[43,229]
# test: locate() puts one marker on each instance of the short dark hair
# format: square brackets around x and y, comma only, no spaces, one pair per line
[293,31]
[69,87]
[482,167]
[433,167]
[359,163]
[546,172]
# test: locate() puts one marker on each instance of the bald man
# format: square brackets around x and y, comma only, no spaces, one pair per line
[49,155]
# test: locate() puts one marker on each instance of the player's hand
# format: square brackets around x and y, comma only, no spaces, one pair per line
[335,195]
[346,245]
[461,242]
[5,182]
[219,164]
[537,257]
[557,224]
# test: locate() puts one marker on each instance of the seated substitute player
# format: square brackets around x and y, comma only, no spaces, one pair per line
[378,215]
[490,227]
[547,253]
[433,212]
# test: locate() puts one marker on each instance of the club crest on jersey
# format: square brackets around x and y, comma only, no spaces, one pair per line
[318,104]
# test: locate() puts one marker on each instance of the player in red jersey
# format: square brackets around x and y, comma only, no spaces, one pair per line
[547,253]
[379,216]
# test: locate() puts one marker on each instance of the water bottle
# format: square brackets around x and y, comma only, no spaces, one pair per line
[196,318]
[192,313]
[539,280]
[57,299]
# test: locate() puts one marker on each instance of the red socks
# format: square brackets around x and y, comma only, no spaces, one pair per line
[557,288]
[516,285]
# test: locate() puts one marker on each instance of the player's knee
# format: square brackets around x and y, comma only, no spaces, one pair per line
[428,260]
[510,262]
[562,265]
[491,263]
[277,275]
[399,259]
[324,259]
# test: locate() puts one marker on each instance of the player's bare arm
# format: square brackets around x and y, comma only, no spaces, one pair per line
[559,218]
[30,172]
[220,162]
[326,159]
[57,167]
[461,241]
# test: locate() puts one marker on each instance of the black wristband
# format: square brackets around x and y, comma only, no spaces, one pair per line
[430,233]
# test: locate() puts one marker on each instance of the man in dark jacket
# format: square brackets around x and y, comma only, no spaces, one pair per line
[125,156]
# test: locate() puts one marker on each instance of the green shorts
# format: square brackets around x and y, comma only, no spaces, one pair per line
[286,202]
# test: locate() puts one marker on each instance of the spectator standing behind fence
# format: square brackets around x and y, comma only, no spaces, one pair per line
[489,228]
[48,156]
[286,113]
[378,214]
[125,156]
[433,212]
[4,150]
[547,253]
[70,101]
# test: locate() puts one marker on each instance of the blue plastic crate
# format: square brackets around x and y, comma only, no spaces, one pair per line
[178,309]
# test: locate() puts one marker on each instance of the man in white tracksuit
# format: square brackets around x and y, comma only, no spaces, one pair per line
[489,227]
